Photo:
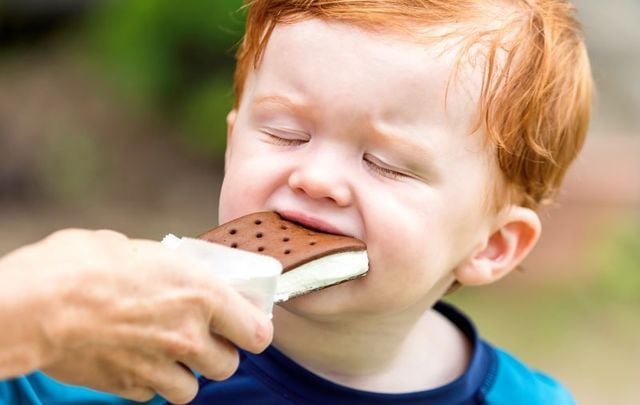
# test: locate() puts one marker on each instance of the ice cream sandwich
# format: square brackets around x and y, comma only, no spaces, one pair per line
[311,260]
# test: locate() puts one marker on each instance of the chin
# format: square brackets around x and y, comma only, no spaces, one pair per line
[330,302]
[341,302]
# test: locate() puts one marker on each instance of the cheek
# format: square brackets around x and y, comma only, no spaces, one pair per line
[412,260]
[413,250]
[240,191]
[230,205]
[417,238]
[250,178]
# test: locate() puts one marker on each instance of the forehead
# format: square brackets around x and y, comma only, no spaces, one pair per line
[387,73]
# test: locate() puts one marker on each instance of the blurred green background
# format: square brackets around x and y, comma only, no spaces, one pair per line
[112,116]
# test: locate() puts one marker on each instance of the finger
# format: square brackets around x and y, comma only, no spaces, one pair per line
[235,318]
[174,383]
[110,235]
[230,315]
[138,394]
[217,359]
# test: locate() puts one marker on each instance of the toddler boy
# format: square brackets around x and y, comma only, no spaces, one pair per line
[431,130]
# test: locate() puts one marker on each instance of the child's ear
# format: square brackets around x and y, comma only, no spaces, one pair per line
[517,233]
[231,122]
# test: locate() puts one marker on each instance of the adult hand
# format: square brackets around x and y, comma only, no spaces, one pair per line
[97,309]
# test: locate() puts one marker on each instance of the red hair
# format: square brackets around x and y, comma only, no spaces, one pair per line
[535,100]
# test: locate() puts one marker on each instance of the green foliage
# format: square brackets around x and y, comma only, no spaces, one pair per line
[204,116]
[617,261]
[173,58]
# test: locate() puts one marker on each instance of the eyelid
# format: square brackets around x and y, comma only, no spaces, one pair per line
[285,136]
[384,168]
[286,132]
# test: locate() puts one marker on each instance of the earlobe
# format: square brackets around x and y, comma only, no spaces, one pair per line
[509,244]
[231,122]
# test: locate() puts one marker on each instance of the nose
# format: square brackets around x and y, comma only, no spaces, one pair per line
[323,177]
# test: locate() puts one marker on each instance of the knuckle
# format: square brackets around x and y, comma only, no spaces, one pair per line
[183,395]
[194,348]
[127,382]
[146,372]
[263,336]
[220,308]
[64,235]
[176,348]
[139,394]
[227,367]
[156,377]
[108,234]
[184,344]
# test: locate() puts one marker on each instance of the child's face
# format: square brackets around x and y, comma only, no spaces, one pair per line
[346,130]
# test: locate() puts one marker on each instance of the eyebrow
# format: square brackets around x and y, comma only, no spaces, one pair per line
[267,100]
[406,145]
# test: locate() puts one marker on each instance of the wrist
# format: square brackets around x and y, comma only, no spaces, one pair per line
[25,343]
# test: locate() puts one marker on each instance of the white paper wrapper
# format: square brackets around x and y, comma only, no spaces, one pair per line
[253,275]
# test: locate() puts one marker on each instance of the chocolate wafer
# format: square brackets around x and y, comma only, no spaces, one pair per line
[311,260]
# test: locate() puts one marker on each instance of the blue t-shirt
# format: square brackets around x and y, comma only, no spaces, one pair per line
[492,377]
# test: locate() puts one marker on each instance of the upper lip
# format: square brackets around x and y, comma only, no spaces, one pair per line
[310,221]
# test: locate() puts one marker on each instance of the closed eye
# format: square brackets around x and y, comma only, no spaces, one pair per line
[284,138]
[382,169]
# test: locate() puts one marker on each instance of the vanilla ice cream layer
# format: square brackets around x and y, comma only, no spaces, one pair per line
[321,272]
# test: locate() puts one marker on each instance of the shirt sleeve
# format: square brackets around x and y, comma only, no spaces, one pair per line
[39,389]
[515,383]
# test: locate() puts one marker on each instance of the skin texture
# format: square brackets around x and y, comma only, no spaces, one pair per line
[95,308]
[357,139]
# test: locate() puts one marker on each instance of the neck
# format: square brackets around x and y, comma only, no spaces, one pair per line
[417,351]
